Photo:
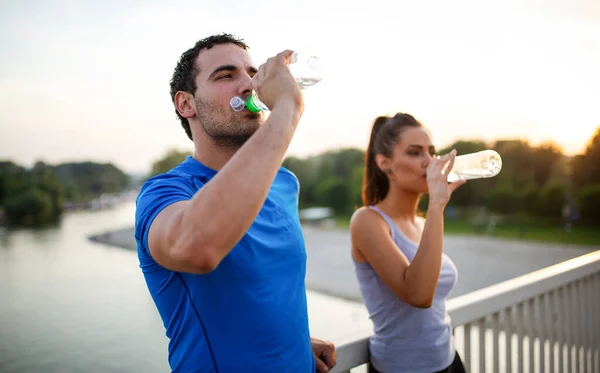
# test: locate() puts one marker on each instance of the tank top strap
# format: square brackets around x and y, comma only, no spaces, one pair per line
[388,220]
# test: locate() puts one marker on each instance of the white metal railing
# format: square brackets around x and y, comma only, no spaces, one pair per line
[551,318]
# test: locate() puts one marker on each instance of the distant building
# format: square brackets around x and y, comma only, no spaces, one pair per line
[317,216]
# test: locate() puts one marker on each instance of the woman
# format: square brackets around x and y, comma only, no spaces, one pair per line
[403,274]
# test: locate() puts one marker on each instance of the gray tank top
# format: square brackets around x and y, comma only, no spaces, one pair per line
[407,339]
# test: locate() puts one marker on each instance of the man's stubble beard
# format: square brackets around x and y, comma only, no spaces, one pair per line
[226,129]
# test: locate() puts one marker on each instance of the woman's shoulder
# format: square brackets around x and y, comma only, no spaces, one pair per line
[361,214]
[364,219]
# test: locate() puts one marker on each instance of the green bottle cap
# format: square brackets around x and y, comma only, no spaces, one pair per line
[253,106]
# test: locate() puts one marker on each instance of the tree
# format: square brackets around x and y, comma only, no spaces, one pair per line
[545,159]
[504,199]
[330,179]
[356,179]
[589,201]
[12,178]
[517,163]
[31,207]
[168,161]
[47,181]
[529,197]
[334,193]
[586,167]
[88,180]
[31,197]
[36,196]
[551,200]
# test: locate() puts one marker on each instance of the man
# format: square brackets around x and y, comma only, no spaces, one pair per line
[219,240]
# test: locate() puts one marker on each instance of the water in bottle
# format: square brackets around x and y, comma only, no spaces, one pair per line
[483,164]
[307,71]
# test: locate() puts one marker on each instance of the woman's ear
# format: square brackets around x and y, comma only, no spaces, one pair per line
[383,163]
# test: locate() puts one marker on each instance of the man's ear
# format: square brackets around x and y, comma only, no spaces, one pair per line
[185,104]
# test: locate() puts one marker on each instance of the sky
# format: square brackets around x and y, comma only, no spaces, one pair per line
[89,80]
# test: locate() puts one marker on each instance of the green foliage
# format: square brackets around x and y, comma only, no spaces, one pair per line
[545,159]
[334,193]
[332,179]
[503,199]
[169,161]
[551,200]
[517,163]
[589,201]
[31,207]
[423,203]
[356,180]
[12,178]
[37,196]
[533,181]
[306,172]
[586,167]
[87,180]
[47,181]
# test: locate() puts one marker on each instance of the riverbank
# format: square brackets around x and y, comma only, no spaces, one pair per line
[123,238]
[481,261]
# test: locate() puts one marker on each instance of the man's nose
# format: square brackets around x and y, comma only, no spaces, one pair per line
[245,85]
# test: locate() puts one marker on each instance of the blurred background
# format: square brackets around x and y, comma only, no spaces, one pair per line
[86,118]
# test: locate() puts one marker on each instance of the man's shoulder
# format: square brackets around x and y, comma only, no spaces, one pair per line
[158,192]
[286,176]
[173,185]
[184,174]
[286,173]
[171,177]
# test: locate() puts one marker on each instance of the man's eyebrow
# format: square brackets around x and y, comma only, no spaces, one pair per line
[223,68]
[251,70]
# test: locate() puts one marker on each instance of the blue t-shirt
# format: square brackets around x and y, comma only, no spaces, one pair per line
[250,313]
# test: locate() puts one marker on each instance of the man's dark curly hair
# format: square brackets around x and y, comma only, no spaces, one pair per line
[186,70]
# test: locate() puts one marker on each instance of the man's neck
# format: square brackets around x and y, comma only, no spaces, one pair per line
[213,156]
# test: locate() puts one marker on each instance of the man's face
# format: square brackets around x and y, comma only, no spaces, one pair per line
[225,71]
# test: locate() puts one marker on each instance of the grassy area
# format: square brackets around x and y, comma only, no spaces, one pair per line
[530,231]
[524,229]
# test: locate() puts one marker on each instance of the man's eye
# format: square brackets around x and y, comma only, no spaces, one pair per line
[226,76]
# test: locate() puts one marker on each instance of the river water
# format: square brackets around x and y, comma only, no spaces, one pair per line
[71,305]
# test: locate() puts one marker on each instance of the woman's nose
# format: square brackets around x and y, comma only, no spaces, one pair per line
[428,158]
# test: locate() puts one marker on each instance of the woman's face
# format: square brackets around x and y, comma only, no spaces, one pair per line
[410,158]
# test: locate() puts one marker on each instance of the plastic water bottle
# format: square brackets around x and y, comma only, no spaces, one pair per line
[306,70]
[483,164]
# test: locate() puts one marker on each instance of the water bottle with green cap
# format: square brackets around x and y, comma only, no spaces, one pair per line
[307,71]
